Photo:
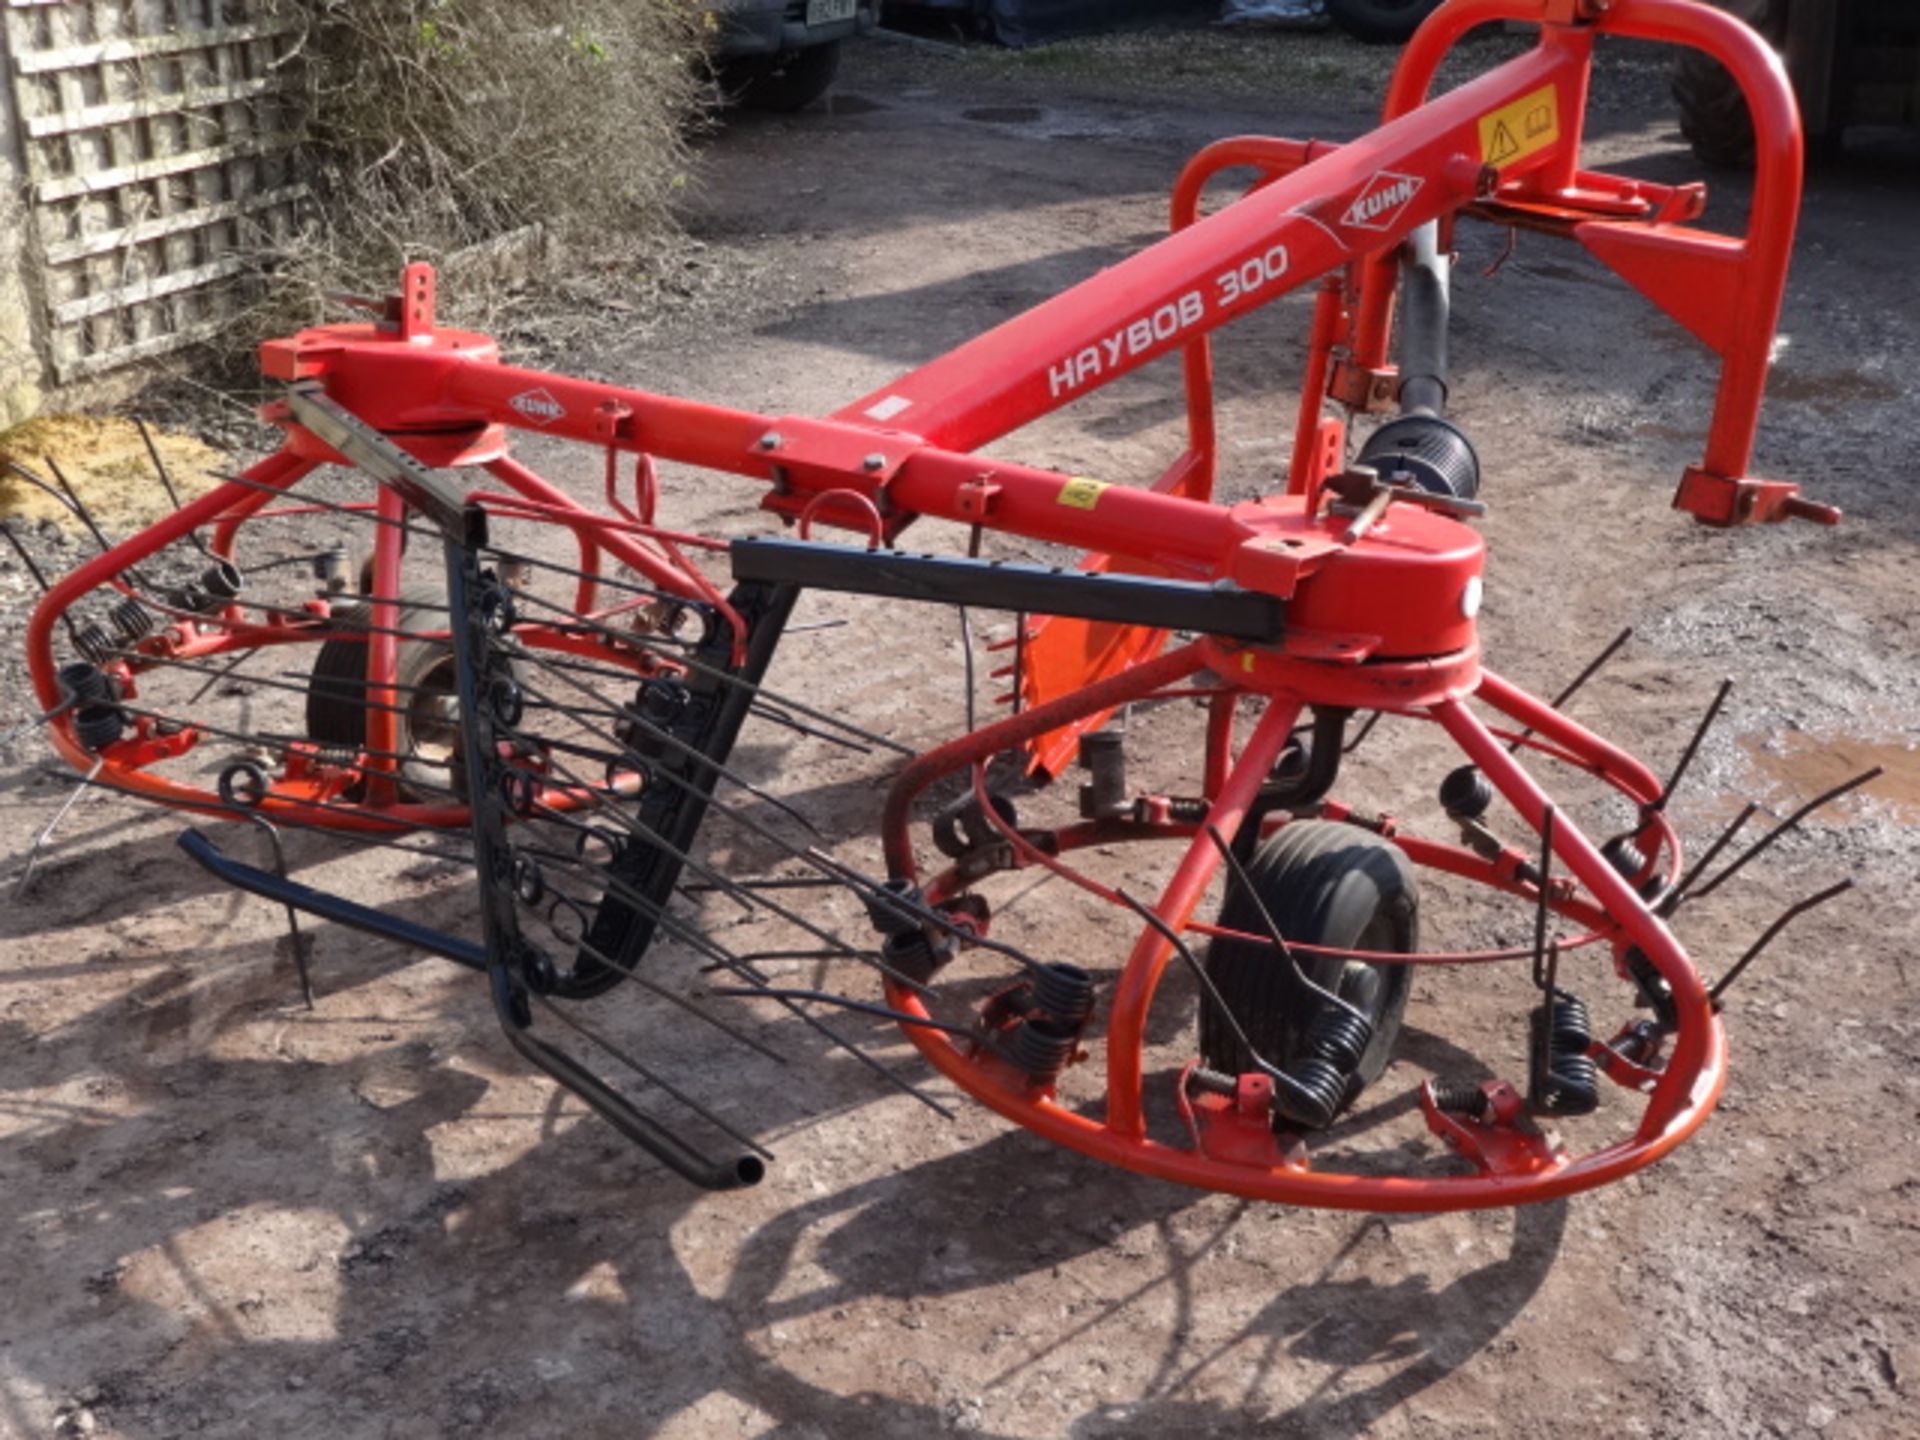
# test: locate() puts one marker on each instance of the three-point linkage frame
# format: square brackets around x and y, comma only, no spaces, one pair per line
[1356,589]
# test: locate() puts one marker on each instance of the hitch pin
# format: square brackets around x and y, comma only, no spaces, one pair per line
[1370,515]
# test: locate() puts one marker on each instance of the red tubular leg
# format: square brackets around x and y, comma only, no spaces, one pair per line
[1133,996]
[1696,1071]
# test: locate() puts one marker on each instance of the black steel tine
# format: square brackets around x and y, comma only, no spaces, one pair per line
[762,956]
[732,888]
[924,913]
[722,676]
[1366,729]
[1200,975]
[669,923]
[1783,827]
[293,916]
[73,496]
[1673,900]
[775,717]
[19,546]
[1573,686]
[673,742]
[212,680]
[26,557]
[777,882]
[845,1002]
[7,736]
[1686,756]
[1791,913]
[166,483]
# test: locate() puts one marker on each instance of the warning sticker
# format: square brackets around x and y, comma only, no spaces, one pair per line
[1082,493]
[1519,128]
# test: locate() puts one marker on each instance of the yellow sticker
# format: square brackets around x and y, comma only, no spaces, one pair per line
[1082,493]
[1519,128]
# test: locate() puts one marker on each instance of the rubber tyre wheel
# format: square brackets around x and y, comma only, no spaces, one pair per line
[337,686]
[1713,111]
[786,83]
[1380,22]
[1324,884]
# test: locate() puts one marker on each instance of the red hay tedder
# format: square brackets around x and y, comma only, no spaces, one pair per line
[568,689]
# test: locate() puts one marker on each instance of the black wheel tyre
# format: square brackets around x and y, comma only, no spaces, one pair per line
[424,682]
[1380,22]
[1713,111]
[1325,884]
[785,83]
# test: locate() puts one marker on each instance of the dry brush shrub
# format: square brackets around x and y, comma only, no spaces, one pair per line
[435,126]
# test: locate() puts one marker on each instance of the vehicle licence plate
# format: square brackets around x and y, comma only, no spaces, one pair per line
[825,12]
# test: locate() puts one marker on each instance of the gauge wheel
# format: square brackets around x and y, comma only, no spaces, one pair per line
[1326,884]
[424,688]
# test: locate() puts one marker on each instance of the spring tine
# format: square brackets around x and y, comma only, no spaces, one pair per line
[786,702]
[40,840]
[926,914]
[7,736]
[65,499]
[26,558]
[1200,975]
[761,956]
[166,483]
[293,916]
[667,922]
[1783,827]
[778,882]
[1366,729]
[688,1005]
[1540,957]
[845,1002]
[727,886]
[652,1077]
[1791,913]
[78,505]
[213,680]
[1573,686]
[1686,756]
[1672,901]
[776,717]
[672,742]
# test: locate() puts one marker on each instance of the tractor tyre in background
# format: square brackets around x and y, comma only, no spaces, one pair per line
[1380,22]
[1713,112]
[783,83]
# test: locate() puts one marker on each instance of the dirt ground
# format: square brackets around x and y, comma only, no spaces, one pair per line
[229,1215]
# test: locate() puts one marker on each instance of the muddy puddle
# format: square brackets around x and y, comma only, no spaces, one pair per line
[1807,765]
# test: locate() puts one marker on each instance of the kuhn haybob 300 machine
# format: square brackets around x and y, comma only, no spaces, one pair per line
[565,683]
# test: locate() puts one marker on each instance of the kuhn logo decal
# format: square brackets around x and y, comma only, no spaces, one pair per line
[538,406]
[1380,200]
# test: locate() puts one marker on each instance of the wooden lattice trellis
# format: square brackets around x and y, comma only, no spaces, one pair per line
[157,142]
